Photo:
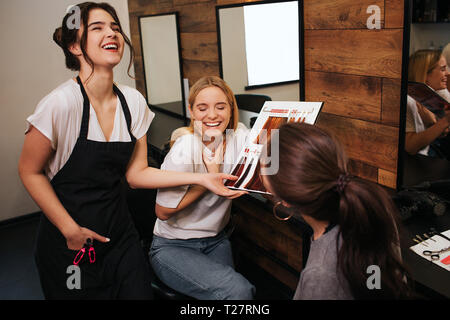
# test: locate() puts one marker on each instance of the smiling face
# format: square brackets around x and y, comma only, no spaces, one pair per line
[437,77]
[211,111]
[105,43]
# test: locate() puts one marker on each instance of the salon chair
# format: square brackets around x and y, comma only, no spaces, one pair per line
[251,102]
[141,204]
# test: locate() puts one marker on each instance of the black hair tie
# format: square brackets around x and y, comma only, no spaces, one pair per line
[342,182]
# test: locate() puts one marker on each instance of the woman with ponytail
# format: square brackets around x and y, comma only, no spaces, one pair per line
[353,221]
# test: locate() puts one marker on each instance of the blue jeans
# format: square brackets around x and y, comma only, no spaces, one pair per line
[200,268]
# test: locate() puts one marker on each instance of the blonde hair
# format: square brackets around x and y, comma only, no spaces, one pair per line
[421,63]
[202,83]
[446,53]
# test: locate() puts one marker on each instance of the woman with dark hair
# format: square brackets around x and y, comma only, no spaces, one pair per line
[353,220]
[82,141]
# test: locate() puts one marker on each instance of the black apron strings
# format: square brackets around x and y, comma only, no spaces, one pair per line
[86,109]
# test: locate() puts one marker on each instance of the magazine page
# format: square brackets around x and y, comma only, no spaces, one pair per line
[427,97]
[273,114]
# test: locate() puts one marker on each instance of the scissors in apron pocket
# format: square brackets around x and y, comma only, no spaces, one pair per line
[90,248]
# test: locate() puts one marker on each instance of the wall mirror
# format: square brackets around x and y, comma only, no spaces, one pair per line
[261,49]
[161,56]
[427,27]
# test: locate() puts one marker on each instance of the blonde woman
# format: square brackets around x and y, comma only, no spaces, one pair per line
[446,54]
[190,251]
[422,126]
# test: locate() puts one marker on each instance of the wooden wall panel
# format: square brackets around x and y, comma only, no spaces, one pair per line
[201,46]
[359,52]
[394,14]
[350,96]
[343,14]
[356,71]
[198,17]
[390,113]
[371,143]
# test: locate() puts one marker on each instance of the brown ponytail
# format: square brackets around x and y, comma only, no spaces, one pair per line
[313,178]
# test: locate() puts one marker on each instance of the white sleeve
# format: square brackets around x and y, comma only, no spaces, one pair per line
[49,117]
[241,133]
[411,110]
[178,159]
[142,116]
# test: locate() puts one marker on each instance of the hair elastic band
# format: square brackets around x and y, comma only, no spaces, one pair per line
[342,182]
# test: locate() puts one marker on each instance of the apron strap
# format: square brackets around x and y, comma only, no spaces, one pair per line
[126,110]
[86,109]
[86,105]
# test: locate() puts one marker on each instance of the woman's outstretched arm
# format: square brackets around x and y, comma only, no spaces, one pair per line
[140,175]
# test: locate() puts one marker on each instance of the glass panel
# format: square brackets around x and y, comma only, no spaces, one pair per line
[161,57]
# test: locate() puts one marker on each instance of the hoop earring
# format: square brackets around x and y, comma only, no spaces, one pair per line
[276,215]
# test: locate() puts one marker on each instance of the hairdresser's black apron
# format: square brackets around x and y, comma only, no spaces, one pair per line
[91,188]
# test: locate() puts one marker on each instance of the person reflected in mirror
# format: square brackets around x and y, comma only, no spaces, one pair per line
[446,54]
[423,128]
[353,220]
[190,251]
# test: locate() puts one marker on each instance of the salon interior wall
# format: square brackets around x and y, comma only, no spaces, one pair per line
[429,36]
[31,66]
[355,70]
[232,34]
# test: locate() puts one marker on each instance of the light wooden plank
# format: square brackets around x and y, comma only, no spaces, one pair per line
[340,14]
[351,96]
[375,53]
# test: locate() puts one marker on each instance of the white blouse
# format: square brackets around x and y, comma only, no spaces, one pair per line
[58,117]
[414,121]
[208,215]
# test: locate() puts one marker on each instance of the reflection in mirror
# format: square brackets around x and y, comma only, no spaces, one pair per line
[161,57]
[426,151]
[259,50]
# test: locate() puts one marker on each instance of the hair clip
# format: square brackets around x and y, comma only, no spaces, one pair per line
[78,258]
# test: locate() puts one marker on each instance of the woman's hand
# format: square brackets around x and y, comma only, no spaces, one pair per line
[214,183]
[213,159]
[446,120]
[78,238]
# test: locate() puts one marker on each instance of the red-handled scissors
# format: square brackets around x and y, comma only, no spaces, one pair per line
[88,245]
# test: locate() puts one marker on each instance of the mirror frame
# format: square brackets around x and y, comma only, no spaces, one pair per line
[180,66]
[407,16]
[301,80]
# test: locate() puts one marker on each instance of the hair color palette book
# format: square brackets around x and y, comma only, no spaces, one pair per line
[428,97]
[256,154]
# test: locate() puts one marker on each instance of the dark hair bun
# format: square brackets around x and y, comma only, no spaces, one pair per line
[57,37]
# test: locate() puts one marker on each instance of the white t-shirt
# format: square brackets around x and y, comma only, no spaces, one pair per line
[444,93]
[414,121]
[209,214]
[58,117]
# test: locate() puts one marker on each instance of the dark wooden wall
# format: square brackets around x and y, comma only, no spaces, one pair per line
[356,71]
